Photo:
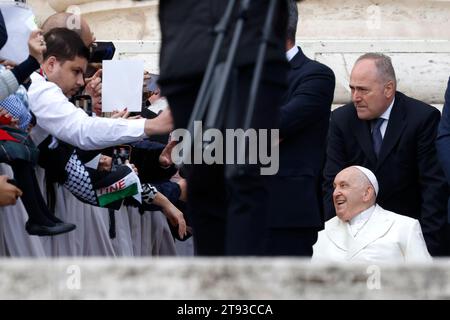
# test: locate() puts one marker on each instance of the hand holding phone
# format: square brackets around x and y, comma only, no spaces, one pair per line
[121,154]
[152,85]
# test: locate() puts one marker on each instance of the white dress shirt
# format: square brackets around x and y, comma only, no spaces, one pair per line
[386,116]
[291,53]
[58,117]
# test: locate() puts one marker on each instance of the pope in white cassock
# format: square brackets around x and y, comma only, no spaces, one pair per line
[364,232]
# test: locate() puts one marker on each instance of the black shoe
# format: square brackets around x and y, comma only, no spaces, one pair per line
[40,230]
[54,219]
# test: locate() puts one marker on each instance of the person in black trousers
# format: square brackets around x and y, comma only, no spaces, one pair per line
[296,210]
[229,211]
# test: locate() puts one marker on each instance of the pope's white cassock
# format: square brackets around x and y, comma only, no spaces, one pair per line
[374,236]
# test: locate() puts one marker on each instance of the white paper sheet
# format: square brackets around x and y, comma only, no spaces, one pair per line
[122,85]
[19,21]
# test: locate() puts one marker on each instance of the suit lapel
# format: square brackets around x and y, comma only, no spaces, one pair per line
[337,232]
[377,226]
[395,127]
[362,133]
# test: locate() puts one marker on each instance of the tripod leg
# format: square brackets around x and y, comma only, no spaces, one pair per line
[255,84]
[229,63]
[259,64]
[202,99]
[205,92]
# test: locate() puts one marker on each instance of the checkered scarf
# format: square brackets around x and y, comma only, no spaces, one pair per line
[17,105]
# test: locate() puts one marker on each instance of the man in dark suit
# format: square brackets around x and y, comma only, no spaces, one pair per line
[443,149]
[228,209]
[296,197]
[394,136]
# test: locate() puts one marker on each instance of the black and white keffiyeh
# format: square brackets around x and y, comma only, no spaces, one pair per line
[79,182]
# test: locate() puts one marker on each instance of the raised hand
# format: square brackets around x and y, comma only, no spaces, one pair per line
[36,45]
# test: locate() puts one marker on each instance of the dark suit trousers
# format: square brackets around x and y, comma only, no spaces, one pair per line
[229,204]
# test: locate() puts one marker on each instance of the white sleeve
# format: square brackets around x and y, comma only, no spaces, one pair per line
[319,254]
[8,84]
[55,115]
[416,248]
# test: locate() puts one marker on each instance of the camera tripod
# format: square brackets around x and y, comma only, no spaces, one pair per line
[210,105]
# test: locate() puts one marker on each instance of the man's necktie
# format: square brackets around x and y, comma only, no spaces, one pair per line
[377,138]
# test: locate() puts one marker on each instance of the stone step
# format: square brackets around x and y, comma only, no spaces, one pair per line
[219,278]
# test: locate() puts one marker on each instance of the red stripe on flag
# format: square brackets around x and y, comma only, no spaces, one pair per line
[5,136]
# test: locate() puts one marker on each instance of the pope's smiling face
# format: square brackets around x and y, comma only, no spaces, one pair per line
[352,195]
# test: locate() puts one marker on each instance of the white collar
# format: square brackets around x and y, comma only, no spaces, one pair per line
[290,54]
[363,216]
[357,223]
[387,113]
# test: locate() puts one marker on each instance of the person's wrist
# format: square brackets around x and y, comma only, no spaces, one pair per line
[34,62]
[164,163]
[25,69]
[148,130]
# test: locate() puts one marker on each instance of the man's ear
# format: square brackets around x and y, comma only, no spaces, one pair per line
[368,194]
[51,64]
[389,89]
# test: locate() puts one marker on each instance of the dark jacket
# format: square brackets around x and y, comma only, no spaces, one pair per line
[3,33]
[296,190]
[443,140]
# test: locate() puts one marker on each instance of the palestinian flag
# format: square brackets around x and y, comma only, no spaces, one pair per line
[127,186]
[5,136]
